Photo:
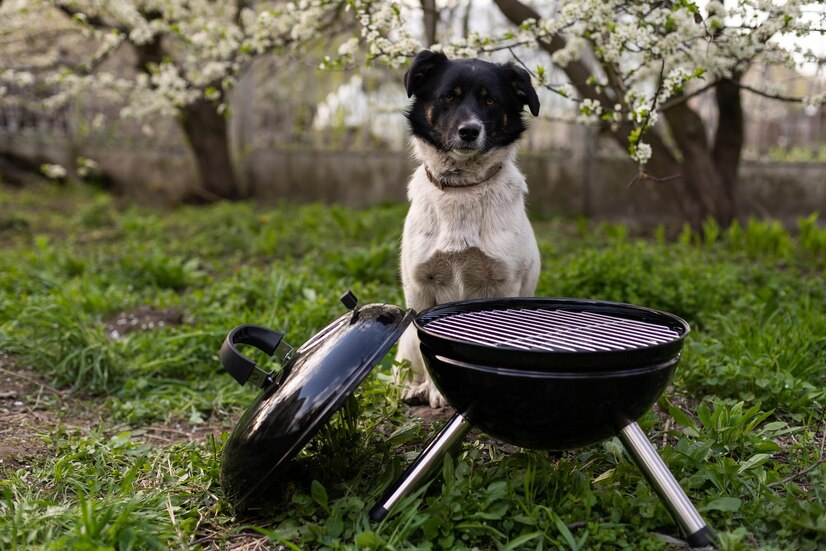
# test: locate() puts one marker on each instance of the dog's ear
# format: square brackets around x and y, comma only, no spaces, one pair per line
[523,88]
[425,61]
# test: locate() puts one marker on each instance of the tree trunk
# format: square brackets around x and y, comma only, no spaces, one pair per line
[703,183]
[728,142]
[431,18]
[208,134]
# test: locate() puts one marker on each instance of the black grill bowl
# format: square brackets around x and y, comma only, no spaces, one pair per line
[543,399]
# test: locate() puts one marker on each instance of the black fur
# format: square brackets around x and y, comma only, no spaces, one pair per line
[449,93]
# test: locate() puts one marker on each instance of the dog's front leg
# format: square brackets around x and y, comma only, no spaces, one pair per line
[418,388]
[417,385]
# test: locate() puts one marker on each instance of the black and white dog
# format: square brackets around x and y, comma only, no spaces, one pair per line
[466,234]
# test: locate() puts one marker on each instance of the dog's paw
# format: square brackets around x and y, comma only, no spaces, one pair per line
[424,393]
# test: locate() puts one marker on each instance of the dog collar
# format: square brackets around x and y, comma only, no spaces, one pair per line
[443,183]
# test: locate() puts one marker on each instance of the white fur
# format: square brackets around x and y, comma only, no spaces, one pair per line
[489,218]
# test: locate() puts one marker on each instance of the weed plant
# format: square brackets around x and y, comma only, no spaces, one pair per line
[741,426]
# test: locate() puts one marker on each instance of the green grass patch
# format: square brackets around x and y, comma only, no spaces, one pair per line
[741,427]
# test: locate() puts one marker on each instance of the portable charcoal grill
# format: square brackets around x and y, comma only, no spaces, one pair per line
[541,373]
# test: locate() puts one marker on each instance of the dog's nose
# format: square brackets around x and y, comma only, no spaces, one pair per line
[469,132]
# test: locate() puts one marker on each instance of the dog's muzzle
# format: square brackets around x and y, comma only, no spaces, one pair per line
[470,132]
[469,137]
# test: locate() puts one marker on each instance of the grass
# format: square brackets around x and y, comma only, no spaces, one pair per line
[129,431]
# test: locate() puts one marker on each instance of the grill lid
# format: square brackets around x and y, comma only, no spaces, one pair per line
[294,404]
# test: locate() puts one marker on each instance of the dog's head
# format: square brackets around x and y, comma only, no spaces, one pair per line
[467,107]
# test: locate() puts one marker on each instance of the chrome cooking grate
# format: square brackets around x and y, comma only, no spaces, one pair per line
[552,330]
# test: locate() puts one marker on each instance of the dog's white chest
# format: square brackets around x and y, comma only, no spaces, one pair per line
[454,222]
[457,219]
[458,227]
[468,243]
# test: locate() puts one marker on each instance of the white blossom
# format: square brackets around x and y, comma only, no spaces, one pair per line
[573,50]
[349,47]
[641,153]
[87,167]
[53,171]
[815,101]
[590,111]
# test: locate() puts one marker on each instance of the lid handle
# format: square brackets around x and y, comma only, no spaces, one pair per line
[242,368]
[349,300]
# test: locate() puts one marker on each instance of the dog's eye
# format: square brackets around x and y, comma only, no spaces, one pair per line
[447,98]
[490,102]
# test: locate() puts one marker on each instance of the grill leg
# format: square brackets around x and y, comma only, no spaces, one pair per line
[697,532]
[451,435]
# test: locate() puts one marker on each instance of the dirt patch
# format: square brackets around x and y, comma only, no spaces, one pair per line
[430,416]
[244,541]
[29,408]
[20,417]
[142,318]
[173,433]
[666,422]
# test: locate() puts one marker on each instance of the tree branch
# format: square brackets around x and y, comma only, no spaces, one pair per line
[660,81]
[673,102]
[778,97]
[91,20]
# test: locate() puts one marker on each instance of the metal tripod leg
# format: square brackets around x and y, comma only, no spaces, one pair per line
[452,434]
[697,532]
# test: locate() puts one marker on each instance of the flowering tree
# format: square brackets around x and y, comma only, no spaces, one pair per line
[630,63]
[187,55]
[629,66]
